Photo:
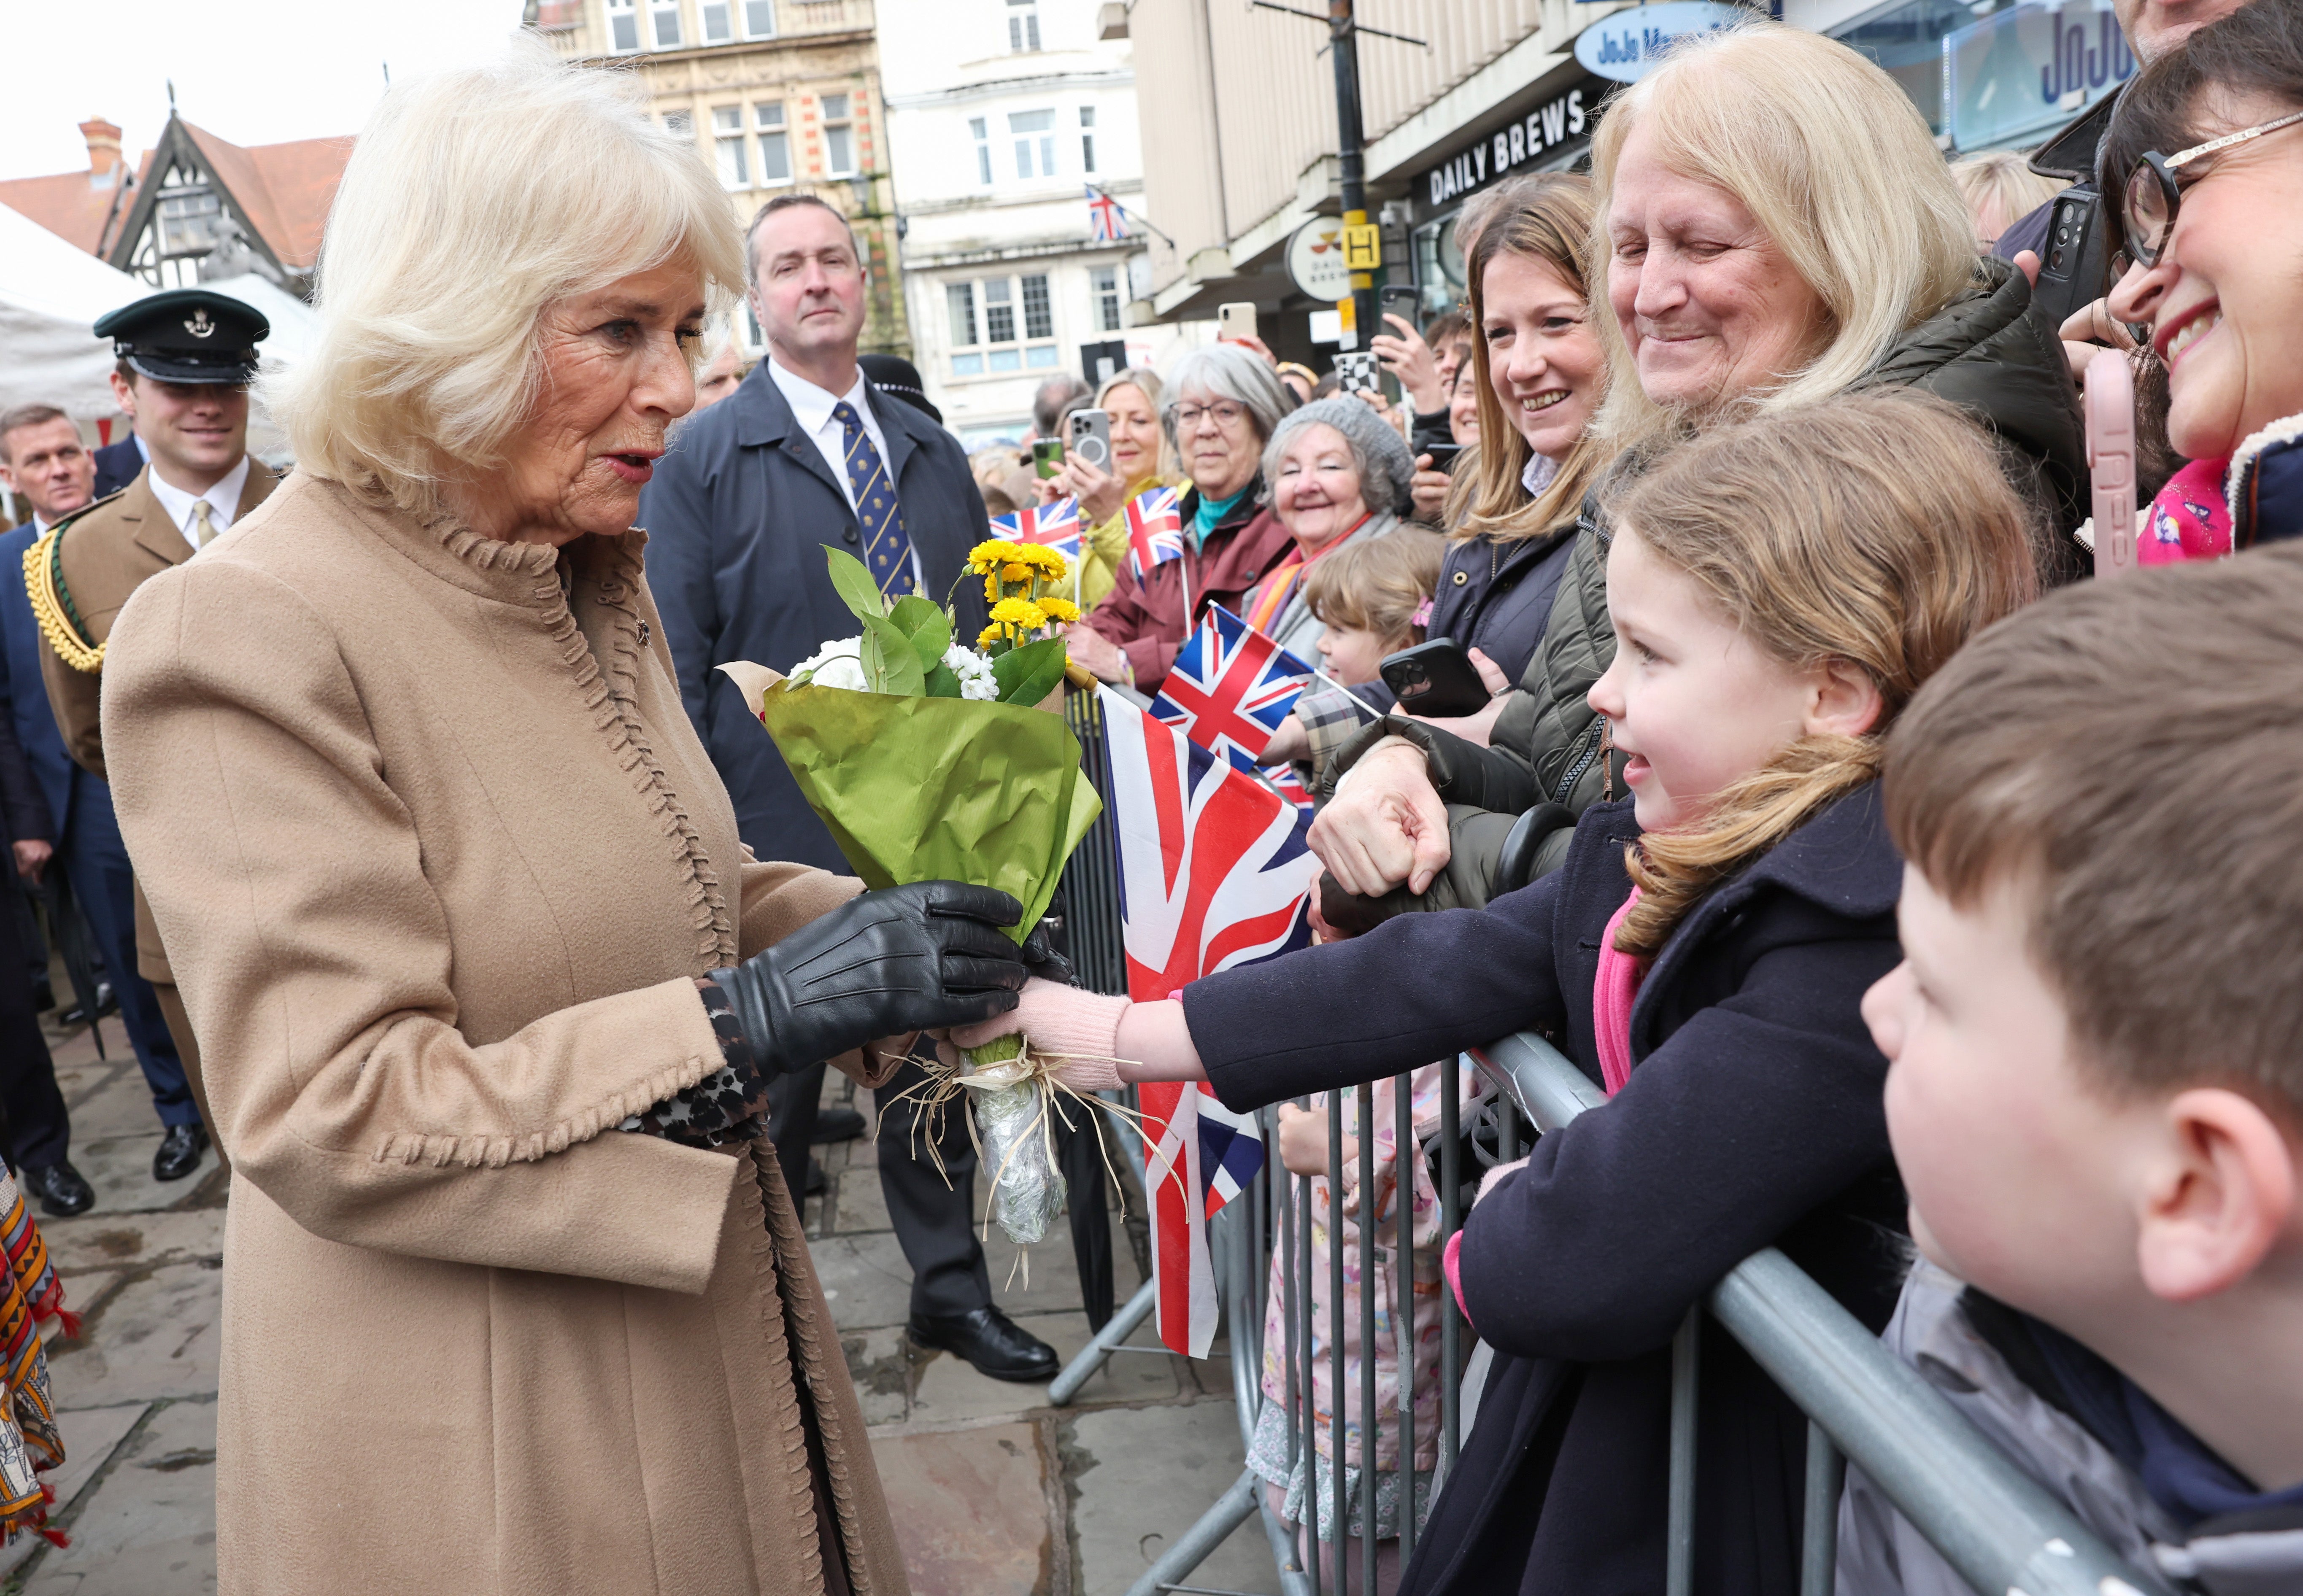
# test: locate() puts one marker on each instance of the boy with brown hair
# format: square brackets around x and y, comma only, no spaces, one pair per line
[2095,1095]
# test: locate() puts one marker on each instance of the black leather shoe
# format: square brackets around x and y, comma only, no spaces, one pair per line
[836,1124]
[181,1151]
[988,1339]
[61,1190]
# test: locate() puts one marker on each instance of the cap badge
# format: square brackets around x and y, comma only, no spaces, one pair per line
[197,324]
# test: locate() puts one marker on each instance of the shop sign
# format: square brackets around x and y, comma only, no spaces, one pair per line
[1564,119]
[2030,69]
[1315,260]
[1631,44]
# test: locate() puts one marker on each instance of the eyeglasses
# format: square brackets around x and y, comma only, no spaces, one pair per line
[2153,196]
[1226,415]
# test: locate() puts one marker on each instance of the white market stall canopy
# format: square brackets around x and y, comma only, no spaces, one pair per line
[51,295]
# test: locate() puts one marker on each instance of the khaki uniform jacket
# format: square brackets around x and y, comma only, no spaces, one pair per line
[439,856]
[107,551]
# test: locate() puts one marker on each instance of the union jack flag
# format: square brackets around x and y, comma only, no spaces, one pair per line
[1054,526]
[1106,220]
[1230,687]
[1214,874]
[1155,531]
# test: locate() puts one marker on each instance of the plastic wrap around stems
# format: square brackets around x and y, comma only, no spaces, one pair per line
[1014,1123]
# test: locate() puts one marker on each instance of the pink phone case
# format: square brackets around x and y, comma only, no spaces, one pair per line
[2111,460]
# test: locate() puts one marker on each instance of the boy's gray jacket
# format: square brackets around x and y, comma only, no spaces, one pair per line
[1882,1554]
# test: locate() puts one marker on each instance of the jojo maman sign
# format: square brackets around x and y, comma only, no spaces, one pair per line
[1631,44]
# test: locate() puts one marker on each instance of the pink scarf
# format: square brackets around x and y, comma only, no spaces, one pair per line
[1611,995]
[2188,520]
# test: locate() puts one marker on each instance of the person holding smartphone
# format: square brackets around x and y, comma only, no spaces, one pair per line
[1141,460]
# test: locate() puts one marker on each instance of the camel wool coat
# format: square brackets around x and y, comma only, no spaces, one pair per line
[438,857]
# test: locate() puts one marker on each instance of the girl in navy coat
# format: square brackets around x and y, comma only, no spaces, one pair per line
[1780,588]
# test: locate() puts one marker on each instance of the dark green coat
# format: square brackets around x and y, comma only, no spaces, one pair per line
[1988,351]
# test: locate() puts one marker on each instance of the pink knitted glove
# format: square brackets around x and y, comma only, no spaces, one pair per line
[1061,1021]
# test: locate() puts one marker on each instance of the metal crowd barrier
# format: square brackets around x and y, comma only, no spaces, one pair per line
[1992,1522]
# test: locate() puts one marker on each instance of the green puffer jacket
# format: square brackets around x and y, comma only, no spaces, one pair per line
[1987,351]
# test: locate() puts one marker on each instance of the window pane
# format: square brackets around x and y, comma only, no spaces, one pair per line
[770,115]
[1006,360]
[666,18]
[998,314]
[1087,116]
[1030,122]
[835,107]
[982,150]
[735,164]
[760,17]
[727,118]
[775,159]
[1087,152]
[1032,31]
[960,299]
[626,27]
[1048,155]
[1039,320]
[680,122]
[1044,354]
[716,21]
[838,152]
[967,366]
[1016,35]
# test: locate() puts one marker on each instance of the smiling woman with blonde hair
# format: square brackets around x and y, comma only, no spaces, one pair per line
[516,1297]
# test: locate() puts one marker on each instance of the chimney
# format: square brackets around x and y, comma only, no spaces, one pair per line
[103,151]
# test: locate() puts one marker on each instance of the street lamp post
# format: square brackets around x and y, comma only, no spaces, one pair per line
[1342,37]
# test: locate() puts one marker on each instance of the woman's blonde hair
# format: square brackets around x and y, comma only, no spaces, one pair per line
[1877,529]
[1376,585]
[1838,169]
[475,200]
[1146,381]
[2001,182]
[1545,219]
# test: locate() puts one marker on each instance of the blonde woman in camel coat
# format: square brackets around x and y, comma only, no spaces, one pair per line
[448,882]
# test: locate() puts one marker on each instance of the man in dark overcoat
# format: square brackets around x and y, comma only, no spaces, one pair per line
[806,454]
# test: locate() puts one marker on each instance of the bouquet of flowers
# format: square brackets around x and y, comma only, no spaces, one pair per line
[930,759]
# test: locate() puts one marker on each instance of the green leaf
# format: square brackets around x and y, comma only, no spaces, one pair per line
[1029,673]
[854,585]
[926,625]
[943,682]
[890,665]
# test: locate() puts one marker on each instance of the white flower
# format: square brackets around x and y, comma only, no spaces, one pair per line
[835,665]
[975,673]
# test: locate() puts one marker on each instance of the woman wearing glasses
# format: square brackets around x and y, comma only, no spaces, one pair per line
[1224,403]
[2206,152]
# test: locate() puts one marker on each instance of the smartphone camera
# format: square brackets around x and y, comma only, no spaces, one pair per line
[1413,680]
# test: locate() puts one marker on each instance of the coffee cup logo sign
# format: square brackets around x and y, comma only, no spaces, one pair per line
[1631,44]
[1316,260]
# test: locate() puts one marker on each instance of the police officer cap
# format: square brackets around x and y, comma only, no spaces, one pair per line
[186,335]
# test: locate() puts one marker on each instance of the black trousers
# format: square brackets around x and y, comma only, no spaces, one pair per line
[935,1223]
[38,1133]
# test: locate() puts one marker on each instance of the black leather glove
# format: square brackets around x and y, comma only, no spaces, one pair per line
[919,957]
[1042,959]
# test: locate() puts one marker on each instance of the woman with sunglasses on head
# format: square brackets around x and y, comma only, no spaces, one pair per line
[2205,155]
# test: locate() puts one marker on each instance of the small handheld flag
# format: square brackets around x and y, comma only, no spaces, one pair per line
[1052,525]
[1230,687]
[1155,531]
[1215,873]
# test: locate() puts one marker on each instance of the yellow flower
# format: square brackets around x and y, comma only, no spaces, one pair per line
[1015,573]
[989,556]
[1059,609]
[1046,559]
[1019,612]
[984,640]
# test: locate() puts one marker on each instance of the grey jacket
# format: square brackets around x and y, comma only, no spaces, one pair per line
[1990,351]
[1882,1554]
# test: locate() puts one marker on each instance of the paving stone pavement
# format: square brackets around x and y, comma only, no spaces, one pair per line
[994,1492]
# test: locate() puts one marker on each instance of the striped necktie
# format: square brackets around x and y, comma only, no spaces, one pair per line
[887,546]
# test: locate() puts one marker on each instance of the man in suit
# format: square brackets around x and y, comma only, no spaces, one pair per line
[117,463]
[803,454]
[188,356]
[88,850]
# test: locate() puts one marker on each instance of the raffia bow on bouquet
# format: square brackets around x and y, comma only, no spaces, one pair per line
[931,760]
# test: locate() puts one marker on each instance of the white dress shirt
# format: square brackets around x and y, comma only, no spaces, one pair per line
[812,409]
[224,501]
